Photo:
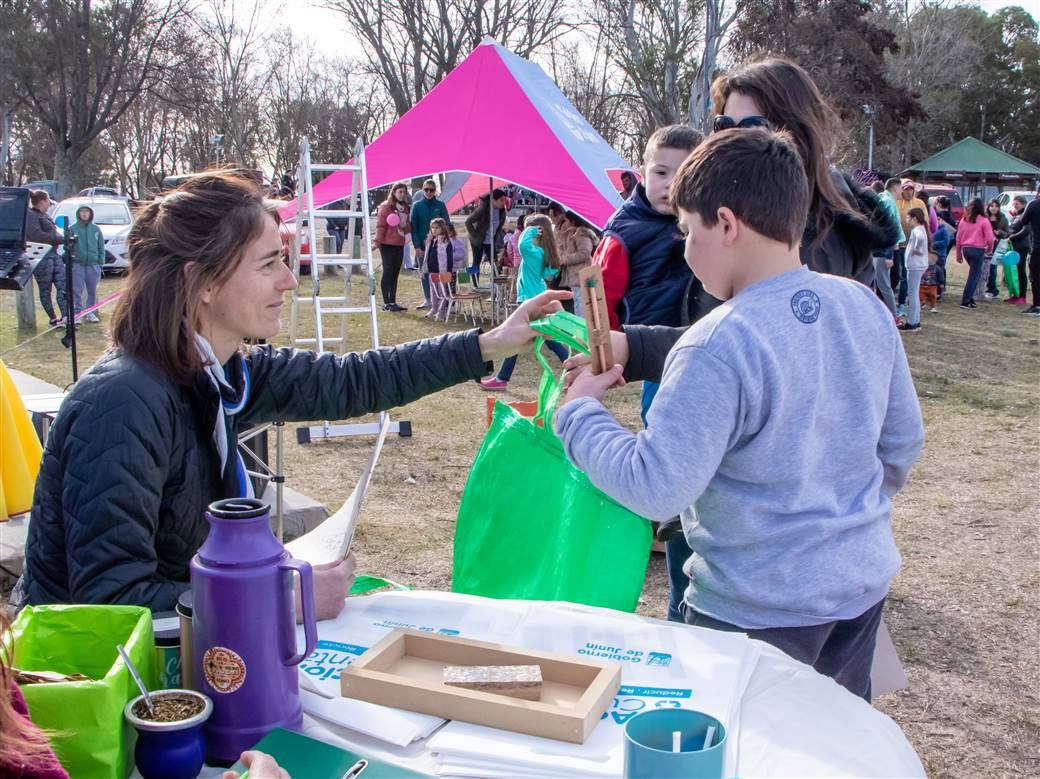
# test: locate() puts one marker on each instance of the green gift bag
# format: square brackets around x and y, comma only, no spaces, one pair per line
[532,526]
[85,719]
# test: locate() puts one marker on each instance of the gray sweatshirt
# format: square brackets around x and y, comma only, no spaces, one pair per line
[785,422]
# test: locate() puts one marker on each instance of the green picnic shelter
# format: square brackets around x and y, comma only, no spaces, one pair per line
[972,164]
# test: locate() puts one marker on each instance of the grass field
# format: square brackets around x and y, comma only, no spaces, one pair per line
[964,611]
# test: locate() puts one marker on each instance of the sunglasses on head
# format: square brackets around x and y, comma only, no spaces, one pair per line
[723,122]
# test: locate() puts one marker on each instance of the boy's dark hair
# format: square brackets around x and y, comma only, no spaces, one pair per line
[943,201]
[893,183]
[877,186]
[757,174]
[674,136]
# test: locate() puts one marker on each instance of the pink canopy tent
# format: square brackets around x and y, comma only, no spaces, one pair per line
[499,118]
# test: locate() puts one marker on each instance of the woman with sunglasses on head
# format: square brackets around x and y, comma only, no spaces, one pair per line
[846,221]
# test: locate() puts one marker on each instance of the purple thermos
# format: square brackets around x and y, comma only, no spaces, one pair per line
[244,653]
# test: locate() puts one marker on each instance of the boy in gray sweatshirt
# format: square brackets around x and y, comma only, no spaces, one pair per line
[785,422]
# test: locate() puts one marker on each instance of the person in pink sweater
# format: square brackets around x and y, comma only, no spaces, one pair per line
[974,241]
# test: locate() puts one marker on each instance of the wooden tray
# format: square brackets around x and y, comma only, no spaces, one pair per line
[404,670]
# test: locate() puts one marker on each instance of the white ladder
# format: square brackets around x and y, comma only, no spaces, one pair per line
[340,305]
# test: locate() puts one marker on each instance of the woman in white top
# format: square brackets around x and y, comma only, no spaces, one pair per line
[917,247]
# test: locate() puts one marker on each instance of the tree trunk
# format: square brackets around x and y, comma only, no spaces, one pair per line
[25,306]
[69,171]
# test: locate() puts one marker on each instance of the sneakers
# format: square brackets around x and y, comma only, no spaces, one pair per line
[92,317]
[493,383]
[971,304]
[901,312]
[933,311]
[909,328]
[56,322]
[1032,311]
[422,306]
[393,308]
[991,295]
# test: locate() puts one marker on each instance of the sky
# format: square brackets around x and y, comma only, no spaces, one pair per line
[328,29]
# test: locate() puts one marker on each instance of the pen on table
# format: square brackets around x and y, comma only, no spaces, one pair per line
[355,769]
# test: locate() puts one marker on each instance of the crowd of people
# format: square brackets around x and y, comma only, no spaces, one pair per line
[928,232]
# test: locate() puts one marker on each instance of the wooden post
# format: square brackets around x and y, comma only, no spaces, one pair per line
[25,306]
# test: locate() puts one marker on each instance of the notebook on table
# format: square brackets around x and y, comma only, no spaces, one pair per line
[304,757]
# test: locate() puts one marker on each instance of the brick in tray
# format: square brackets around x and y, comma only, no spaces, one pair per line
[516,681]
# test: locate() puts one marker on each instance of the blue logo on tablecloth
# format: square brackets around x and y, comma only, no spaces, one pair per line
[806,306]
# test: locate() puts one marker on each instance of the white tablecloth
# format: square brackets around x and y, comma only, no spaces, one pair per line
[793,721]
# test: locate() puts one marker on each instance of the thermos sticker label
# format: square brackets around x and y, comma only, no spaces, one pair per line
[224,668]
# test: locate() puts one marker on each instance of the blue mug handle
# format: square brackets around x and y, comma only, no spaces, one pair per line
[310,627]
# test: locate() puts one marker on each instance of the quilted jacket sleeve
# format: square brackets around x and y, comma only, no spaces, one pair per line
[293,386]
[111,495]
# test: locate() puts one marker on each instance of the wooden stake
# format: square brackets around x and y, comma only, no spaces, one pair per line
[597,319]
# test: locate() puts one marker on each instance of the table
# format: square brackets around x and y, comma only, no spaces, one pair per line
[794,722]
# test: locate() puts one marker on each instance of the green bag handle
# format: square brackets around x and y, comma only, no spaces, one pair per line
[565,327]
[363,584]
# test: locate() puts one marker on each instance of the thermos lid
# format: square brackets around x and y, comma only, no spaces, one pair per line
[184,604]
[238,508]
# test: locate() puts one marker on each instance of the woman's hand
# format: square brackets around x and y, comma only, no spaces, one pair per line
[259,766]
[586,385]
[515,333]
[332,582]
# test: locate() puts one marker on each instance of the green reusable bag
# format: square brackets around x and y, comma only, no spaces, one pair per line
[85,719]
[532,526]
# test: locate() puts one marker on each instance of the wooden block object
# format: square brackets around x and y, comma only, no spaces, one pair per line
[405,670]
[597,318]
[516,681]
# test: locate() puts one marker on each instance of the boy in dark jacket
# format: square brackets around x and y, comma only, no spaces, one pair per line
[645,277]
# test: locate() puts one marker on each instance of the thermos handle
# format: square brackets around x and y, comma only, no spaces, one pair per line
[310,628]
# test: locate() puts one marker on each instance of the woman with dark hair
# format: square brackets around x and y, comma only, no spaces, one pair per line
[974,240]
[846,224]
[392,227]
[146,440]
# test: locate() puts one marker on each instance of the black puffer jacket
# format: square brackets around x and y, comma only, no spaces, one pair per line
[130,464]
[846,250]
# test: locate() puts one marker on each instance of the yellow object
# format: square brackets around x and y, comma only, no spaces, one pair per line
[20,450]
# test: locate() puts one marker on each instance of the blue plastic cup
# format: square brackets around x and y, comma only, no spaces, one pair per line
[649,745]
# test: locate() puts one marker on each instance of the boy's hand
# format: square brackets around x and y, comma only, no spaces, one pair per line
[586,385]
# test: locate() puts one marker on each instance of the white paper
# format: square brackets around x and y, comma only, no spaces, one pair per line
[330,541]
[395,726]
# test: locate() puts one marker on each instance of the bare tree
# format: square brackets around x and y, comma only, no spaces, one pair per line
[78,66]
[717,23]
[239,72]
[656,44]
[412,44]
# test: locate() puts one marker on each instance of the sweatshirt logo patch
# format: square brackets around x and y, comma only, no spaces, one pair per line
[806,306]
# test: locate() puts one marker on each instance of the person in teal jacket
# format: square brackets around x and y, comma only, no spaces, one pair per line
[88,255]
[539,260]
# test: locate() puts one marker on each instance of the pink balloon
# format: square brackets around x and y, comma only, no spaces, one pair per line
[393,220]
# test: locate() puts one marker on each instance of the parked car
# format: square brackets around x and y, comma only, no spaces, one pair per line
[99,192]
[956,204]
[1005,198]
[113,216]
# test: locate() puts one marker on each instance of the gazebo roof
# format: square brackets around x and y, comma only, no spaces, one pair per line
[972,157]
